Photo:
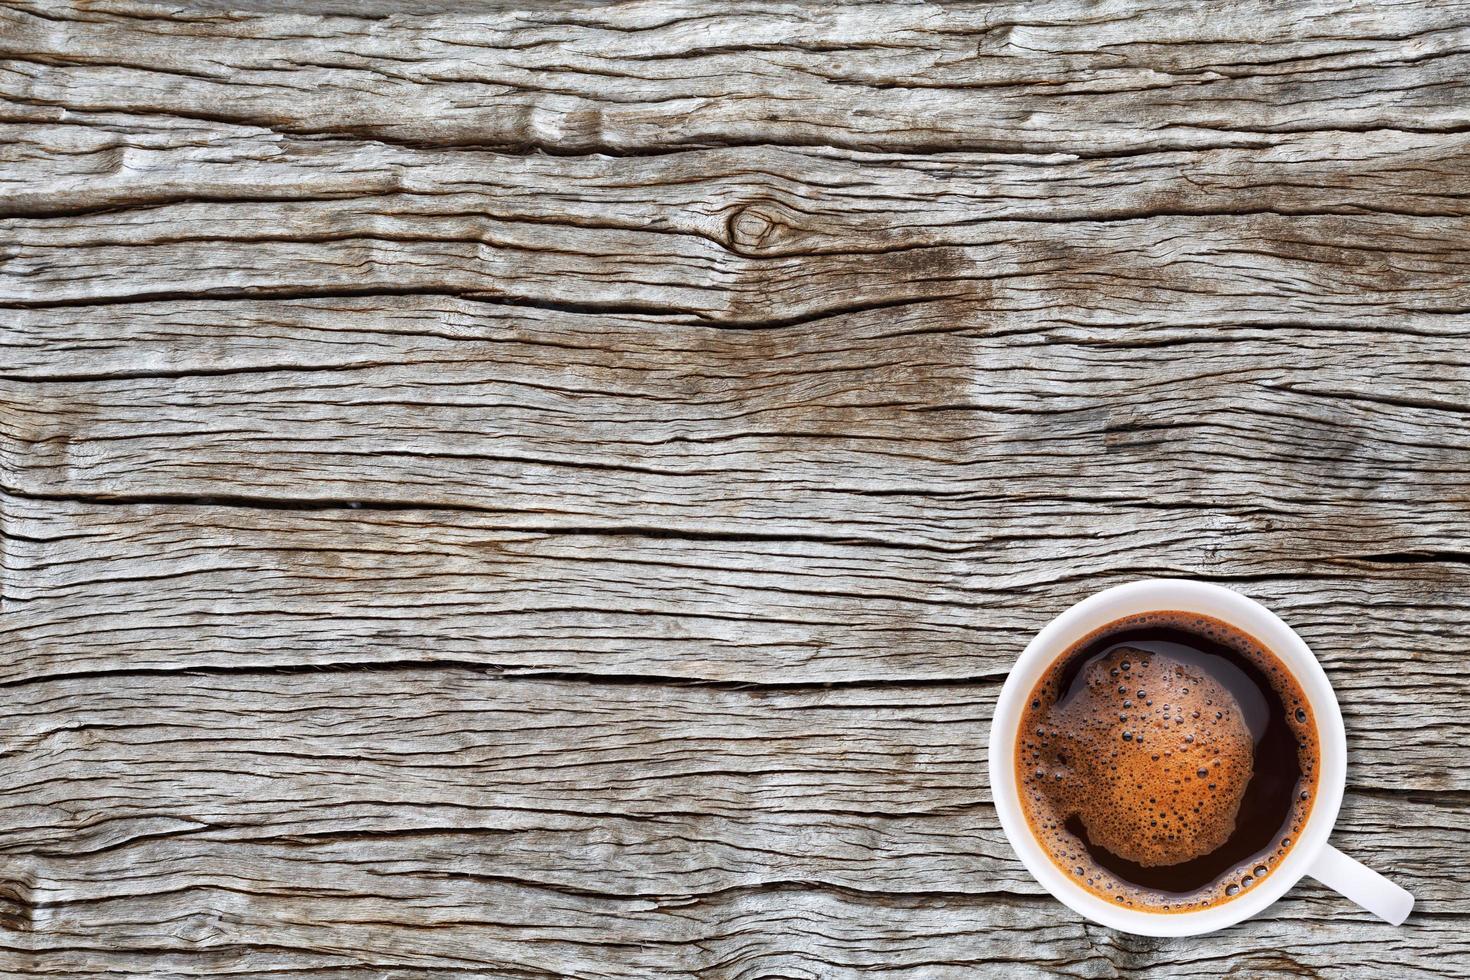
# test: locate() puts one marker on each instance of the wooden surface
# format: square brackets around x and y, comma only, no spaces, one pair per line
[494,493]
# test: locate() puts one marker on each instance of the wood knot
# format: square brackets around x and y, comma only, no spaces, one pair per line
[754,227]
[200,929]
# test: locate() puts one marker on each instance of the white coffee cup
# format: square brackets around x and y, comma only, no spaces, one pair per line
[1310,855]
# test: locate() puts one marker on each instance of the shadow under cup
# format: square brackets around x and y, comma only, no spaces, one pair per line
[1152,597]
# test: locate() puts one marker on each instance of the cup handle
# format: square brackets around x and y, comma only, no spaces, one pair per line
[1362,885]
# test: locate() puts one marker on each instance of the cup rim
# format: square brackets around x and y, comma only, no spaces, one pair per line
[1184,595]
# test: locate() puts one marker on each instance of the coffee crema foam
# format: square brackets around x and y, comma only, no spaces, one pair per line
[1167,761]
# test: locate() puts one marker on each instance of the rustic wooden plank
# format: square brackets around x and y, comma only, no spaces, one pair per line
[809,264]
[646,77]
[607,830]
[1301,266]
[805,935]
[97,589]
[757,200]
[922,431]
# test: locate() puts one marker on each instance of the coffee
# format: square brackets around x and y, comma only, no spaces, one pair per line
[1167,761]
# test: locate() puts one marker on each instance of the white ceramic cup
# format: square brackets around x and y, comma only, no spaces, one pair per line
[1311,854]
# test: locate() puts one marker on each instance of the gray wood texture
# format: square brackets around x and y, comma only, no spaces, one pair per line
[495,491]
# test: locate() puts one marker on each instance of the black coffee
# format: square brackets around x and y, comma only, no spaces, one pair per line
[1167,761]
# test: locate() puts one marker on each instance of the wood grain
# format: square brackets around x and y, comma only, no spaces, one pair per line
[505,492]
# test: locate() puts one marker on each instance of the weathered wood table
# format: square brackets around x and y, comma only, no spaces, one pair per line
[501,493]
